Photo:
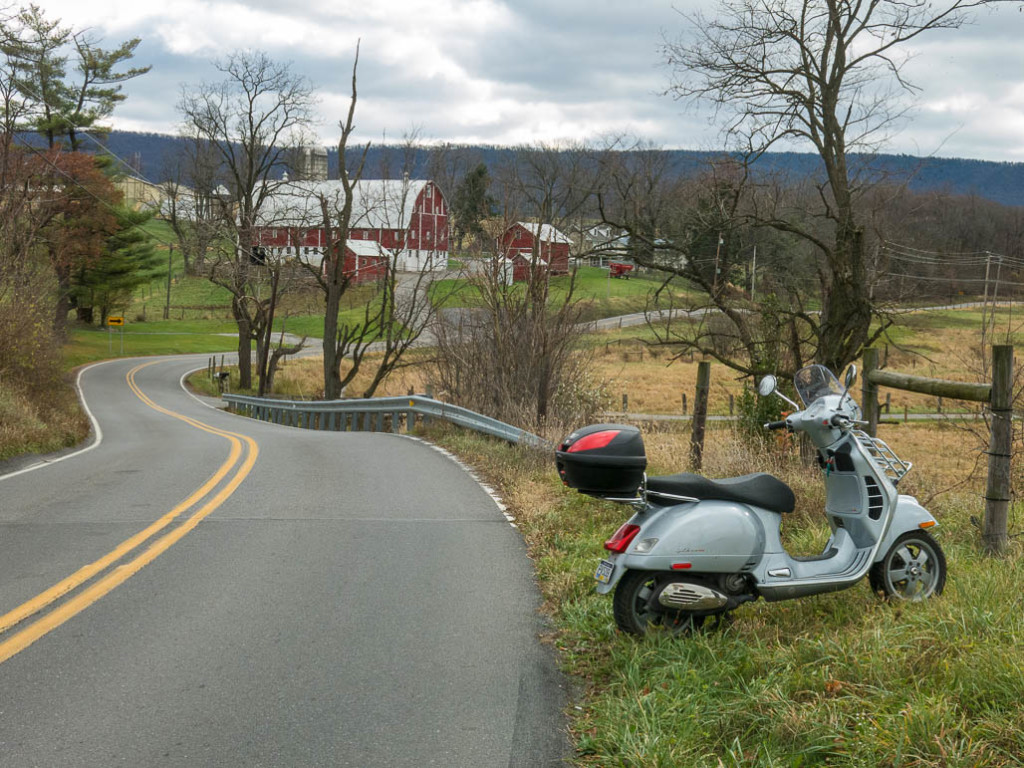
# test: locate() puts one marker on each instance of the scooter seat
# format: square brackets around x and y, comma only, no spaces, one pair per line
[760,489]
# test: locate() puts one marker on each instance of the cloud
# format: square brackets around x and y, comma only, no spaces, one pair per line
[509,71]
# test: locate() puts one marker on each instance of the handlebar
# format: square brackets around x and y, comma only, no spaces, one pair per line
[775,425]
[838,420]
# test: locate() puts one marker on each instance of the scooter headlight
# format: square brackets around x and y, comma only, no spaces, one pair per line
[645,545]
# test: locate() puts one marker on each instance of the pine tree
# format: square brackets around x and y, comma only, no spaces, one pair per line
[129,259]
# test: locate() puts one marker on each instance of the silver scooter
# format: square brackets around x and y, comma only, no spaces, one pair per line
[697,548]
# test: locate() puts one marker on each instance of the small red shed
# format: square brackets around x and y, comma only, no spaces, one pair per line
[526,238]
[365,261]
[516,268]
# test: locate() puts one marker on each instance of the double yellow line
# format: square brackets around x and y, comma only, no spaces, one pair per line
[241,459]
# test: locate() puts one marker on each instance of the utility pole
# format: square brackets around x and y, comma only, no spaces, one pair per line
[984,303]
[995,293]
[718,251]
[753,272]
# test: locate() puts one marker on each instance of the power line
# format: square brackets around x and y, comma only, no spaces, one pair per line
[900,276]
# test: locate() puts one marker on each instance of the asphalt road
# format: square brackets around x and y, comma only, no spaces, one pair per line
[262,596]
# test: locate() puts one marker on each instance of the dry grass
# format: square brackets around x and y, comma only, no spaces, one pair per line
[655,382]
[305,377]
[39,422]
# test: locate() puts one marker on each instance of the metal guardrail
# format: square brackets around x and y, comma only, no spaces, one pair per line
[376,414]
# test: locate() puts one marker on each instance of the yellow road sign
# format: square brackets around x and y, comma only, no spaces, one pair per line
[115,321]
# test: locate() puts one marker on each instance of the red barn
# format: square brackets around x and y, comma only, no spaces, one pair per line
[408,218]
[526,239]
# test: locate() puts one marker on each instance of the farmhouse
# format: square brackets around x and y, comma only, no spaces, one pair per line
[407,218]
[523,240]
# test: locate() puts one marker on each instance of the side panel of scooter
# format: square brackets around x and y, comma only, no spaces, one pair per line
[909,516]
[708,537]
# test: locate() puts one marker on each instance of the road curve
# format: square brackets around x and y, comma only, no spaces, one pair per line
[262,596]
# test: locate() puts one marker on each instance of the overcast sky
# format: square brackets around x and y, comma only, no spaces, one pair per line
[515,71]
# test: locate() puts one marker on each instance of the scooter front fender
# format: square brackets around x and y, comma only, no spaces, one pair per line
[909,516]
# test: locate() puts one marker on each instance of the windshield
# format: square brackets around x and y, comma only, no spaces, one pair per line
[816,381]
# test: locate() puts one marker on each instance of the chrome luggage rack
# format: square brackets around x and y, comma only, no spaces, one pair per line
[892,466]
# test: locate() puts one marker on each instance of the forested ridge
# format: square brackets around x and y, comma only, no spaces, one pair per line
[152,153]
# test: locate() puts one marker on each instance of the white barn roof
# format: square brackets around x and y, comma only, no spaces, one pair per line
[368,248]
[376,204]
[548,234]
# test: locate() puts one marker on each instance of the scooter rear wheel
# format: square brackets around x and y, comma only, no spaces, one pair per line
[913,569]
[634,615]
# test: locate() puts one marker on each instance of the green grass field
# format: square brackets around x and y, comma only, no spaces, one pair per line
[601,295]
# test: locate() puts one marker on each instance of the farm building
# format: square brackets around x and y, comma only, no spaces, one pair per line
[525,239]
[516,268]
[407,218]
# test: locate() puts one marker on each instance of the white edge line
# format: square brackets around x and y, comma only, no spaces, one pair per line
[181,383]
[97,432]
[468,470]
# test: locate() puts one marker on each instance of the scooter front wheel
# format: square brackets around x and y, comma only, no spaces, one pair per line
[633,614]
[913,569]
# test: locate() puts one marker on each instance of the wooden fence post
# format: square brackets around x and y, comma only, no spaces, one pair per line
[684,403]
[625,402]
[700,413]
[870,391]
[997,493]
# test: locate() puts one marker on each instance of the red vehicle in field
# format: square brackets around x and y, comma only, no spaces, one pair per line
[618,269]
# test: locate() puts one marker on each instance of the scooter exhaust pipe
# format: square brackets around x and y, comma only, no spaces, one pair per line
[687,596]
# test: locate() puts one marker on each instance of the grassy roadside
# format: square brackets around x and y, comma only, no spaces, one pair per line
[34,422]
[842,679]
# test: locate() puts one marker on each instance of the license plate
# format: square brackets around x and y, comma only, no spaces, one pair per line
[604,571]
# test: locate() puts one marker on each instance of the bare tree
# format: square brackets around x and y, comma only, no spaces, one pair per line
[513,363]
[190,203]
[253,118]
[828,74]
[516,356]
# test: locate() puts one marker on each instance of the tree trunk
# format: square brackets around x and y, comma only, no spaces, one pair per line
[244,346]
[60,317]
[846,309]
[332,303]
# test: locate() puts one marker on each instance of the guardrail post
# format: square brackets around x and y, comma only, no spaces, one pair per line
[997,493]
[396,422]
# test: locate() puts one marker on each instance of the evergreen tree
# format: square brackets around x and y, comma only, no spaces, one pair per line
[129,259]
[37,51]
[34,47]
[471,203]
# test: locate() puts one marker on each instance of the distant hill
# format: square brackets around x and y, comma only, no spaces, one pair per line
[151,154]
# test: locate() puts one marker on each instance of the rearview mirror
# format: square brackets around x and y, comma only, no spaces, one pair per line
[767,386]
[851,375]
